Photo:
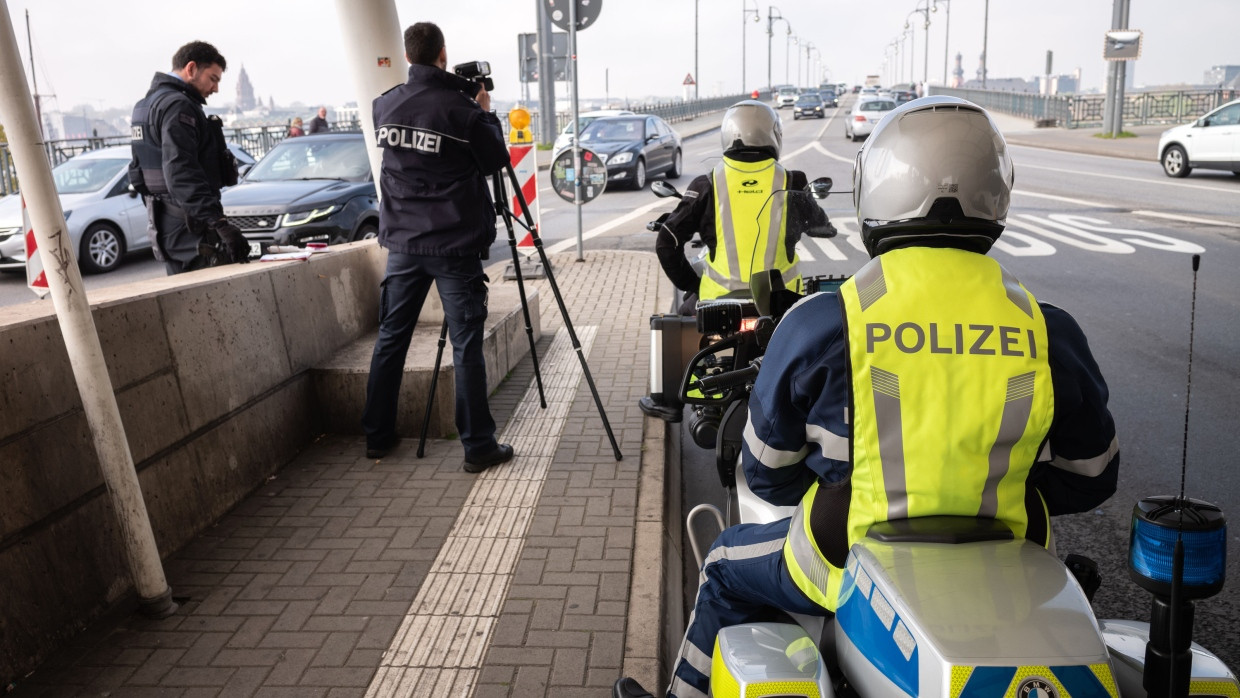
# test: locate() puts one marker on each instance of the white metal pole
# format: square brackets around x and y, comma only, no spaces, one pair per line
[572,63]
[78,328]
[375,52]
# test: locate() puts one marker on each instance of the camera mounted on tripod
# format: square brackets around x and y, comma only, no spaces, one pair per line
[478,71]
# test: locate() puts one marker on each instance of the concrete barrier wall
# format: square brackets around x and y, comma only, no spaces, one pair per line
[211,374]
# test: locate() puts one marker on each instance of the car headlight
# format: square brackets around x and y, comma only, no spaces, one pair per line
[303,217]
[620,158]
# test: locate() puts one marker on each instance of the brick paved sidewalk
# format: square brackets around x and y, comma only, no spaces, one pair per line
[301,589]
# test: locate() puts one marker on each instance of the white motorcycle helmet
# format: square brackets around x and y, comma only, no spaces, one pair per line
[751,126]
[935,172]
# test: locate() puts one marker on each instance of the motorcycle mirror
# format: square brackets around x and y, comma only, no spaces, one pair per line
[819,187]
[663,190]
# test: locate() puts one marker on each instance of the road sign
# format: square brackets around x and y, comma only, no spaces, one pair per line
[689,79]
[563,175]
[587,12]
[1122,45]
[527,49]
[36,277]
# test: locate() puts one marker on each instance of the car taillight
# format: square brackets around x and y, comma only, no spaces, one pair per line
[858,118]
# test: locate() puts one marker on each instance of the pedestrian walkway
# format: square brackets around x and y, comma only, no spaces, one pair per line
[343,576]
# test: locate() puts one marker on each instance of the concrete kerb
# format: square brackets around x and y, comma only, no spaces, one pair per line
[653,612]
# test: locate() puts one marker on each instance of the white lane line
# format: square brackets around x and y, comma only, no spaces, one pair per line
[1064,199]
[596,231]
[832,155]
[439,647]
[828,248]
[1186,185]
[1187,219]
[803,253]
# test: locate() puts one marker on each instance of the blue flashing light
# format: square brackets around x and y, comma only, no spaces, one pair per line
[1156,525]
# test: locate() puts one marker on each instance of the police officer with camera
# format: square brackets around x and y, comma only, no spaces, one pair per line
[180,162]
[440,141]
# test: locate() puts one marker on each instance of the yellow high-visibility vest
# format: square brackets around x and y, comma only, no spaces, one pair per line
[951,400]
[745,214]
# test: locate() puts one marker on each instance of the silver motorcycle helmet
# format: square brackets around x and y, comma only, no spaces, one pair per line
[935,172]
[751,126]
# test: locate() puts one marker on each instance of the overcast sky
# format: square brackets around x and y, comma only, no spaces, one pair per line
[88,51]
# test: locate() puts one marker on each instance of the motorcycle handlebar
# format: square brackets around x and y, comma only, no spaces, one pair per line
[729,379]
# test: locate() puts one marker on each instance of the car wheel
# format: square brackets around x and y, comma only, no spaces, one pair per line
[796,117]
[101,248]
[677,166]
[367,231]
[639,175]
[1175,162]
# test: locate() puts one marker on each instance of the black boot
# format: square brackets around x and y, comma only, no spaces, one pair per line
[629,688]
[653,408]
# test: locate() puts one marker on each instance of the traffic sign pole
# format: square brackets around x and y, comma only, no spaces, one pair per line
[572,62]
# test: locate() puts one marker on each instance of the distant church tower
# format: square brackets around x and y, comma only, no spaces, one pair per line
[981,66]
[245,92]
[958,71]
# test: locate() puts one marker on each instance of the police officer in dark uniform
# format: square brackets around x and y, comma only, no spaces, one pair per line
[440,141]
[180,162]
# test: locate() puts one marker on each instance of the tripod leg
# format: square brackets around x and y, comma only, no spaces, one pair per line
[568,323]
[430,399]
[501,201]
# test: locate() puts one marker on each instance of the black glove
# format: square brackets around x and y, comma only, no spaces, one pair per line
[234,242]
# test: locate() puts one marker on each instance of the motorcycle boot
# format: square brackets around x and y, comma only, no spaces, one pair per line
[629,688]
[660,410]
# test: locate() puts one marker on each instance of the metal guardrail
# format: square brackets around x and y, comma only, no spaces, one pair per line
[1076,111]
[668,111]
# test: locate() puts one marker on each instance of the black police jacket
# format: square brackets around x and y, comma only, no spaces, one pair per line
[438,148]
[177,151]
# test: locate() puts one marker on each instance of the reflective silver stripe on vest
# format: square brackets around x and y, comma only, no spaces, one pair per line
[1015,293]
[886,387]
[728,228]
[810,562]
[871,284]
[1016,409]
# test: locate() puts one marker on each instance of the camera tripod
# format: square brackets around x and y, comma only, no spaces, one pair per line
[501,202]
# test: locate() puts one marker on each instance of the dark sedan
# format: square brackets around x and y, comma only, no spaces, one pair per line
[634,148]
[808,105]
[308,189]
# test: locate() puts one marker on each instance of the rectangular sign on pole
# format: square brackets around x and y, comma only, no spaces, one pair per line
[1122,45]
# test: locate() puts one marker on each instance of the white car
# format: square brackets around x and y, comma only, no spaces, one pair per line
[1211,143]
[866,114]
[565,139]
[786,97]
[106,218]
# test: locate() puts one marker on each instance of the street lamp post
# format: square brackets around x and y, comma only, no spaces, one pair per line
[925,13]
[770,35]
[745,13]
[697,77]
[985,38]
[946,33]
[792,40]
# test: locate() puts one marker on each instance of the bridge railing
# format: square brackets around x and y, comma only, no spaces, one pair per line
[1077,111]
[670,112]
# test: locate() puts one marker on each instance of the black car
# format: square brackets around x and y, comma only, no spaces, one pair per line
[808,105]
[315,188]
[634,147]
[828,98]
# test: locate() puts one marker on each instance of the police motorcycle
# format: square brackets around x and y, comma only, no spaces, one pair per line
[954,606]
[675,337]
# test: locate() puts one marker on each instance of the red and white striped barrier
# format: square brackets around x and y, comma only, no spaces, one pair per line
[36,277]
[525,165]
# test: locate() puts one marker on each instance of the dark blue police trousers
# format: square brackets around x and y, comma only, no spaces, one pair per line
[463,291]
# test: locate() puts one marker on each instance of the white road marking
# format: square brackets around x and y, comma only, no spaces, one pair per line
[1187,219]
[828,248]
[1186,185]
[1074,236]
[1064,199]
[439,647]
[596,231]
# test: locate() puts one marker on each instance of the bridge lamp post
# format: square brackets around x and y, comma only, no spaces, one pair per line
[746,12]
[946,33]
[772,14]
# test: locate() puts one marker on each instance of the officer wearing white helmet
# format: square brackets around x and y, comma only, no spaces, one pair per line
[731,210]
[933,384]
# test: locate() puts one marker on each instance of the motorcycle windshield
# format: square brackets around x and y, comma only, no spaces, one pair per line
[784,218]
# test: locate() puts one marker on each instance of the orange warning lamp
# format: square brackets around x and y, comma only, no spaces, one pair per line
[519,126]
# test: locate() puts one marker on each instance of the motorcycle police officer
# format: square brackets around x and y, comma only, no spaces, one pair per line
[734,213]
[440,140]
[934,384]
[180,162]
